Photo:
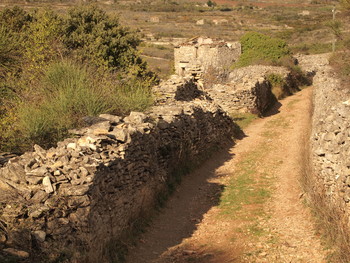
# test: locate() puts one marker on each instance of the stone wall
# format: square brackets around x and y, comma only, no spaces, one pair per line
[248,90]
[85,195]
[330,141]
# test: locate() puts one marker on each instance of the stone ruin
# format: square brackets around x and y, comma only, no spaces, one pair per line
[200,53]
[208,61]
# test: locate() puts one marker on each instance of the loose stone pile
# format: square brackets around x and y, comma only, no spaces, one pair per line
[5,157]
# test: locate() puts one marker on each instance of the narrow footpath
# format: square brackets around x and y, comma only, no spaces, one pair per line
[246,203]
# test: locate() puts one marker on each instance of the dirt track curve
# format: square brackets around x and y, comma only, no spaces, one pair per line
[260,218]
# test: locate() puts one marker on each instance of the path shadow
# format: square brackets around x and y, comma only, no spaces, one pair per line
[184,210]
[273,110]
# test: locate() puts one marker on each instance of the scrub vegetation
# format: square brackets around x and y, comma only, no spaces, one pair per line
[56,69]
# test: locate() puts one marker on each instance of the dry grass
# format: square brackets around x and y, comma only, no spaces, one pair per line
[340,62]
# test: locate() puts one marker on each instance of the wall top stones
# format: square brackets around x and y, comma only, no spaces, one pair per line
[206,41]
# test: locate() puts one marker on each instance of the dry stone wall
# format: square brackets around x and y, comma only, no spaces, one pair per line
[85,195]
[248,90]
[330,138]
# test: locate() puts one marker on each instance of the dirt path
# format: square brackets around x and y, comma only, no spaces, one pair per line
[245,204]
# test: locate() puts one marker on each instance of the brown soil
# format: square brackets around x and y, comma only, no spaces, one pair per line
[192,227]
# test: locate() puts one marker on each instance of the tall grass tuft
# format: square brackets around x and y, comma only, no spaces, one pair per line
[67,95]
[134,95]
[69,92]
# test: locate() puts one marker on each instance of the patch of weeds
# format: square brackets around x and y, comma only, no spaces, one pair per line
[255,230]
[243,119]
[277,82]
[312,48]
[246,188]
[292,103]
[277,122]
[269,133]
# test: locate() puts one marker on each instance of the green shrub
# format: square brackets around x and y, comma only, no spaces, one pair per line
[258,48]
[43,40]
[93,35]
[211,3]
[10,53]
[41,97]
[275,79]
[15,19]
[277,82]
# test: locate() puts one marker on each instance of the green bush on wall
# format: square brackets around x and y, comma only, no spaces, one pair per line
[258,48]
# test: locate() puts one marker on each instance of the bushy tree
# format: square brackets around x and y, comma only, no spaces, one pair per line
[93,35]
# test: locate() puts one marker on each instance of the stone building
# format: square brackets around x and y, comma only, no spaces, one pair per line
[200,53]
